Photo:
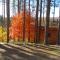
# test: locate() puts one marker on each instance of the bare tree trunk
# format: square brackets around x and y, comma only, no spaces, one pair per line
[36,23]
[24,22]
[14,9]
[54,11]
[18,15]
[3,15]
[18,6]
[47,22]
[43,11]
[29,24]
[40,19]
[4,9]
[8,18]
[58,42]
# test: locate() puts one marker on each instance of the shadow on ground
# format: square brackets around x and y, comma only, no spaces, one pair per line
[18,52]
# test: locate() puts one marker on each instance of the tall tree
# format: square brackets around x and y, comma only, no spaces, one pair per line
[47,22]
[29,23]
[43,10]
[18,6]
[58,42]
[36,23]
[18,15]
[3,16]
[54,10]
[40,19]
[14,7]
[24,21]
[8,18]
[3,13]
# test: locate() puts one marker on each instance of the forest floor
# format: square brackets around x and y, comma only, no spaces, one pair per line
[28,52]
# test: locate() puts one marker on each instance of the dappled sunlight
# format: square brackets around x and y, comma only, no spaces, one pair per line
[24,53]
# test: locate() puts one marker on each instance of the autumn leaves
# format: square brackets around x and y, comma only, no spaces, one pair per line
[16,28]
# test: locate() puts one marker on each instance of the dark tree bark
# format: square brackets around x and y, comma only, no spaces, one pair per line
[8,18]
[4,9]
[3,16]
[24,21]
[14,9]
[29,24]
[36,23]
[18,6]
[58,41]
[40,20]
[18,15]
[54,11]
[47,22]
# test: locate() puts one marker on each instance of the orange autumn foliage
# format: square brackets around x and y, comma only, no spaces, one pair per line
[16,28]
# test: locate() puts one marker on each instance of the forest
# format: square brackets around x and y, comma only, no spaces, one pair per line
[32,21]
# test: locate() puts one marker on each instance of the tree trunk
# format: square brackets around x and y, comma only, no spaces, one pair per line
[14,9]
[58,42]
[47,22]
[40,19]
[54,12]
[18,6]
[43,11]
[3,16]
[29,24]
[24,21]
[36,23]
[8,18]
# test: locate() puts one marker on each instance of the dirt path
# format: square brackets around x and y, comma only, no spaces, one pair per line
[18,52]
